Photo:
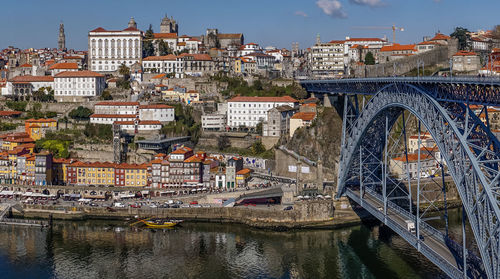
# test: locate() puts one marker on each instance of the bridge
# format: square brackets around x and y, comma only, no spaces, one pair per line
[379,116]
[161,144]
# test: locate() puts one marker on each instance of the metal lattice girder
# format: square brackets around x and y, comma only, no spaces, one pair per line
[469,160]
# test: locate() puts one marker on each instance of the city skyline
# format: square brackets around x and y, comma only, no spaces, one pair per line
[257,22]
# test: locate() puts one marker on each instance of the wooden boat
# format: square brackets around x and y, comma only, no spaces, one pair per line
[161,223]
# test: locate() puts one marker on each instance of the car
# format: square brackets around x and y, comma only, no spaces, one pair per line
[135,205]
[185,206]
[170,202]
[196,206]
[93,204]
[205,205]
[194,202]
[153,206]
[288,208]
[178,202]
[175,206]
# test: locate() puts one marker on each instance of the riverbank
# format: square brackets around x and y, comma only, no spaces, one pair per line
[304,215]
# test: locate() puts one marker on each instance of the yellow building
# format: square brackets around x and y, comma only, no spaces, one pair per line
[132,175]
[4,167]
[30,170]
[242,177]
[36,128]
[60,168]
[11,141]
[96,173]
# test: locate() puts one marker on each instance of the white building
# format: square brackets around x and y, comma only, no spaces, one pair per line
[249,48]
[156,112]
[109,112]
[400,168]
[249,111]
[262,61]
[142,126]
[63,67]
[213,122]
[162,64]
[327,59]
[77,86]
[109,49]
[184,64]
[23,86]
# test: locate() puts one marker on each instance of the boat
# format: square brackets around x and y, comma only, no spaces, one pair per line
[161,223]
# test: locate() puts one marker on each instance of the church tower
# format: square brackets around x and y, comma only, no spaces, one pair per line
[61,42]
[168,25]
[132,23]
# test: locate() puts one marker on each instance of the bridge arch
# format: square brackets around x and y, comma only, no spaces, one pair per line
[475,187]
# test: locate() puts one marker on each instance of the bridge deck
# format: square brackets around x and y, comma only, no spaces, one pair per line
[396,221]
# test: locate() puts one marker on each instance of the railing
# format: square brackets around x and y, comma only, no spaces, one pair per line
[410,79]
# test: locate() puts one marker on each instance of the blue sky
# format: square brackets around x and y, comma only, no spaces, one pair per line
[35,23]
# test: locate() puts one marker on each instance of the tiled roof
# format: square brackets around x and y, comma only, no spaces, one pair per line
[364,40]
[306,116]
[41,120]
[64,66]
[182,150]
[155,106]
[165,35]
[440,36]
[465,53]
[398,47]
[284,99]
[9,113]
[33,79]
[229,36]
[145,122]
[79,74]
[336,42]
[203,57]
[117,104]
[413,157]
[244,171]
[160,76]
[160,58]
[26,65]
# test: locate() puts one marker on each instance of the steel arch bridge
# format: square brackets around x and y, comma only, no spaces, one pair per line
[450,109]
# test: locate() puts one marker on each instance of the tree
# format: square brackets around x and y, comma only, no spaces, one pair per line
[369,59]
[80,113]
[147,45]
[163,48]
[223,142]
[258,148]
[124,82]
[463,37]
[106,96]
[258,128]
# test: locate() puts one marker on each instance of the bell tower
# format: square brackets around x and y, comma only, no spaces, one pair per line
[61,42]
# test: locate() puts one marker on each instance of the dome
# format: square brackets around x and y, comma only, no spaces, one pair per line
[132,23]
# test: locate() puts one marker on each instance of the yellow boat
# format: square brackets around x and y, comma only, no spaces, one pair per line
[161,224]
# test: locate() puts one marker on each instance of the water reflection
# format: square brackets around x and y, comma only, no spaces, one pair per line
[97,250]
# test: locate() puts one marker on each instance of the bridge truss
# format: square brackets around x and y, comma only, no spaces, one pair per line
[376,113]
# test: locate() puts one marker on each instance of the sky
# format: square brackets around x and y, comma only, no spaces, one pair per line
[279,23]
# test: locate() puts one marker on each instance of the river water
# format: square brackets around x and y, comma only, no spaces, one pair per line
[111,249]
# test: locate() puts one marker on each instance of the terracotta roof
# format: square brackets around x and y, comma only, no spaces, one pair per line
[79,74]
[204,57]
[41,120]
[160,76]
[113,116]
[72,57]
[155,106]
[182,150]
[9,113]
[160,58]
[306,116]
[364,40]
[64,66]
[244,171]
[26,65]
[33,79]
[284,99]
[465,53]
[193,159]
[413,157]
[117,104]
[336,42]
[398,47]
[428,43]
[440,36]
[165,35]
[130,166]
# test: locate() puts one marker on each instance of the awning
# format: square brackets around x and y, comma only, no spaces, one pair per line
[7,193]
[145,192]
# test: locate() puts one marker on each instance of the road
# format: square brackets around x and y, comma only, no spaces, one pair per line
[433,241]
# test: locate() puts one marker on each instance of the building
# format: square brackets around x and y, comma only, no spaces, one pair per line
[109,112]
[426,141]
[213,122]
[78,86]
[249,111]
[181,65]
[43,168]
[57,68]
[37,128]
[242,177]
[22,87]
[176,165]
[110,107]
[139,126]
[60,170]
[278,121]
[301,119]
[131,175]
[108,49]
[61,41]
[262,61]
[327,59]
[466,61]
[156,112]
[169,25]
[233,166]
[396,51]
[400,168]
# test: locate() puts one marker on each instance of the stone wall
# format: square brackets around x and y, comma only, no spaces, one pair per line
[405,65]
[283,160]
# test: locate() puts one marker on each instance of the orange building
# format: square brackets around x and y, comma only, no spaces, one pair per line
[36,128]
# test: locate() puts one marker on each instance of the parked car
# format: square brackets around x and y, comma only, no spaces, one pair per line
[175,206]
[288,208]
[135,205]
[185,206]
[194,202]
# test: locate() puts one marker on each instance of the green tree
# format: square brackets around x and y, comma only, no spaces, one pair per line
[163,48]
[124,82]
[147,45]
[18,106]
[223,142]
[369,58]
[258,128]
[463,37]
[80,113]
[106,96]
[258,148]
[50,114]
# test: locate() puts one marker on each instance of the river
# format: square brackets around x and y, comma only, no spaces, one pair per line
[111,249]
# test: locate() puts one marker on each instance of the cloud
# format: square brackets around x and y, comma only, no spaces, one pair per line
[332,8]
[370,3]
[301,13]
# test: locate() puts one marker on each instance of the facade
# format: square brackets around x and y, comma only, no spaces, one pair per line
[111,118]
[400,168]
[156,112]
[109,112]
[278,121]
[181,65]
[22,87]
[233,166]
[327,59]
[144,126]
[249,111]
[396,51]
[61,41]
[466,61]
[108,49]
[63,67]
[78,86]
[43,169]
[213,122]
[37,128]
[116,108]
[301,119]
[176,165]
